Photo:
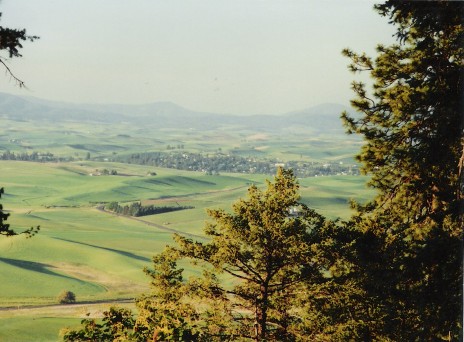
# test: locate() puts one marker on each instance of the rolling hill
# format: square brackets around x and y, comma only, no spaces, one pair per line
[320,119]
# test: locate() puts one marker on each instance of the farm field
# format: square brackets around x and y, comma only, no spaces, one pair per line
[81,139]
[100,256]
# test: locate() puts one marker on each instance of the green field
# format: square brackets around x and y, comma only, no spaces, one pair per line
[100,256]
[77,139]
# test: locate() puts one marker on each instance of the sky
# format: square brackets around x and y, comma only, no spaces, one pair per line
[223,56]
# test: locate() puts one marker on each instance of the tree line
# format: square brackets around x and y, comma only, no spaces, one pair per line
[34,156]
[137,209]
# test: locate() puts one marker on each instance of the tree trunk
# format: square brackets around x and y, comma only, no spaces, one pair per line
[261,315]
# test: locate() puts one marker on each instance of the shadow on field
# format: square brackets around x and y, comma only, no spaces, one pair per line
[35,267]
[127,254]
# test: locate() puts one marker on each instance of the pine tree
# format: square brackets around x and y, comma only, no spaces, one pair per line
[259,267]
[5,227]
[269,249]
[408,253]
[169,311]
[11,42]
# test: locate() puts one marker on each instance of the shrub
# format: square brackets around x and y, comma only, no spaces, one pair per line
[66,297]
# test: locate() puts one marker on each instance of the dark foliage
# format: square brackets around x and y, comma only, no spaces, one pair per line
[11,42]
[67,297]
[137,209]
[5,227]
[407,255]
[116,325]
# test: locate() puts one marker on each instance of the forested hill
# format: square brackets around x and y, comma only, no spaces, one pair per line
[321,119]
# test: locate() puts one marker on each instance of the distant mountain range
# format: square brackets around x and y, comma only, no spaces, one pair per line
[324,118]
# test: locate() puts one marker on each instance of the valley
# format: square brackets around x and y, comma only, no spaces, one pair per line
[81,165]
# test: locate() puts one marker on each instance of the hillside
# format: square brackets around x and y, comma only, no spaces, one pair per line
[320,120]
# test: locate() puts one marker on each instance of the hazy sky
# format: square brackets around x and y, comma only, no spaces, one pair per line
[226,56]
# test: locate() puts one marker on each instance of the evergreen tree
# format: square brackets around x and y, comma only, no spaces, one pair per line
[11,42]
[269,249]
[408,254]
[5,227]
[164,313]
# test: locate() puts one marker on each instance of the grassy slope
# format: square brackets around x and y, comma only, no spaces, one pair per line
[100,256]
[95,254]
[34,329]
[330,196]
